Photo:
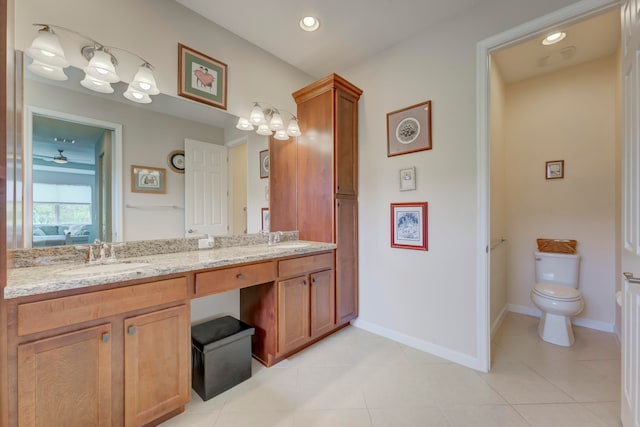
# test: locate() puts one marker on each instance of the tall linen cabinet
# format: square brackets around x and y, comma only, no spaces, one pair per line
[325,180]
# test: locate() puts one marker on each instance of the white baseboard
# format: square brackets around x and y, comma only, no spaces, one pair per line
[498,322]
[578,321]
[445,353]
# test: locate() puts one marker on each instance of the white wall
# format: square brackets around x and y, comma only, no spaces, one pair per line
[498,225]
[427,298]
[568,115]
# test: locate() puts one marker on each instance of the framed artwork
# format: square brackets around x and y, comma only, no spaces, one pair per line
[409,225]
[554,169]
[201,78]
[175,159]
[409,129]
[265,219]
[145,179]
[264,164]
[408,179]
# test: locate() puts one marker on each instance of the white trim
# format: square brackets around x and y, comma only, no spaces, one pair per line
[116,170]
[499,320]
[445,353]
[578,321]
[571,13]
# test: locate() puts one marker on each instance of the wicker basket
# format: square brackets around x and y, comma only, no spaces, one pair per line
[561,246]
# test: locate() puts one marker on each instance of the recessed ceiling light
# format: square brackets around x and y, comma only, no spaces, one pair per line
[554,38]
[309,23]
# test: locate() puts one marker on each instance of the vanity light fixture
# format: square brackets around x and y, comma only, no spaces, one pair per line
[49,60]
[554,38]
[309,23]
[269,120]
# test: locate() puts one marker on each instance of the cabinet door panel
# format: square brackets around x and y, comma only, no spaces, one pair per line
[346,150]
[293,313]
[346,260]
[156,364]
[322,302]
[66,380]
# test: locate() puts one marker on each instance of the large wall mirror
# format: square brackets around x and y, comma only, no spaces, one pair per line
[79,147]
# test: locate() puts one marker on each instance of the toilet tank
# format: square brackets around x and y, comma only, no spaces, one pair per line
[561,269]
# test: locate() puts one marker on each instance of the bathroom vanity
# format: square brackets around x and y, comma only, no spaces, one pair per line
[111,345]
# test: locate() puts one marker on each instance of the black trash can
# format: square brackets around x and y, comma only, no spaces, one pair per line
[221,355]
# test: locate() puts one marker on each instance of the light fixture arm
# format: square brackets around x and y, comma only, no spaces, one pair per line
[96,44]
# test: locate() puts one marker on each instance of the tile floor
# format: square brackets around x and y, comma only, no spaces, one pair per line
[355,378]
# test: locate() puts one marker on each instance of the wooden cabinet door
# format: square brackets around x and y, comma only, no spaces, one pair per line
[156,364]
[322,302]
[346,144]
[66,380]
[346,260]
[293,313]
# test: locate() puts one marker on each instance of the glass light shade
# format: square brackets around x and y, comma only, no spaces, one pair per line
[276,121]
[281,135]
[257,116]
[96,85]
[101,67]
[244,124]
[133,94]
[144,81]
[48,71]
[46,49]
[293,129]
[263,129]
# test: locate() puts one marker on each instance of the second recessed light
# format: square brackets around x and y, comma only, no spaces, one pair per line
[309,23]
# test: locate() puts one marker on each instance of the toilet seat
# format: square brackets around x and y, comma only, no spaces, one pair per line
[557,292]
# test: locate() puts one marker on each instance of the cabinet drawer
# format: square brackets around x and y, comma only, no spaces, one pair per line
[50,314]
[226,279]
[305,264]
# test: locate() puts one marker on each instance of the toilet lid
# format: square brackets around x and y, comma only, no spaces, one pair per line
[557,292]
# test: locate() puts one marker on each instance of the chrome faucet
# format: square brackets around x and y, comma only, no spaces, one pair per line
[102,249]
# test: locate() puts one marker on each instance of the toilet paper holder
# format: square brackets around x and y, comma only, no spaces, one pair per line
[630,278]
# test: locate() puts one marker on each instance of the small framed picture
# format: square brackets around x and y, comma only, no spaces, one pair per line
[554,169]
[265,219]
[408,179]
[264,164]
[145,179]
[409,225]
[201,78]
[409,129]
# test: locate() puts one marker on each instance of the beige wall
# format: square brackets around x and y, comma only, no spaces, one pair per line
[568,115]
[498,225]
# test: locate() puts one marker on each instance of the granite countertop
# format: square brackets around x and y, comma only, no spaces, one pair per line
[50,278]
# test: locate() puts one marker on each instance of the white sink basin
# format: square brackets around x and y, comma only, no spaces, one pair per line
[292,245]
[104,268]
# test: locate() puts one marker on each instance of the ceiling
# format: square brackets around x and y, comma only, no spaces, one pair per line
[352,31]
[586,40]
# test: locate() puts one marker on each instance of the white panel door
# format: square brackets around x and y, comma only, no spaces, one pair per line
[206,189]
[630,260]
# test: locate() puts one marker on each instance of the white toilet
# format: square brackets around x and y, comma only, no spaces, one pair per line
[556,295]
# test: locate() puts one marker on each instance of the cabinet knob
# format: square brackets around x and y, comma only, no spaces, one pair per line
[239,276]
[313,280]
[105,337]
[304,282]
[131,330]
